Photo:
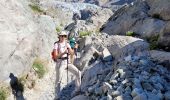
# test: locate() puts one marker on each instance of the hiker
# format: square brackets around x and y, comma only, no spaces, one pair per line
[74,46]
[61,51]
[76,17]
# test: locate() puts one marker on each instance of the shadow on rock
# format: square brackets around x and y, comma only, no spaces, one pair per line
[17,87]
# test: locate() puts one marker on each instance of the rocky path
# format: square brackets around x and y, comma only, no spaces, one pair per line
[44,88]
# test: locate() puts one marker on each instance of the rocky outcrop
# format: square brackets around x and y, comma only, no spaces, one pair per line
[145,18]
[164,37]
[137,78]
[126,18]
[22,37]
[161,57]
[159,9]
[121,46]
[92,17]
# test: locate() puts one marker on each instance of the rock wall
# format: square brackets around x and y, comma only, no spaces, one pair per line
[24,36]
[146,18]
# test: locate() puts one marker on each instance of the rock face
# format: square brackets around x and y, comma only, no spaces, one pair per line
[164,39]
[138,78]
[22,38]
[92,16]
[146,18]
[161,57]
[122,46]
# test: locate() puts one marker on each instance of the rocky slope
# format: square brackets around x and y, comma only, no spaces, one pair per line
[113,67]
[147,18]
[22,37]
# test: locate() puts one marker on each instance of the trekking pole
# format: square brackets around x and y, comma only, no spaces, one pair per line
[67,68]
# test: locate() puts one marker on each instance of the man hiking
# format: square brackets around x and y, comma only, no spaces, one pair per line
[61,51]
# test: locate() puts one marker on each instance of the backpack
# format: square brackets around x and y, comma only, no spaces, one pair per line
[53,55]
[72,42]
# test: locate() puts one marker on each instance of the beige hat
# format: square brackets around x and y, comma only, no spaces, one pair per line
[63,33]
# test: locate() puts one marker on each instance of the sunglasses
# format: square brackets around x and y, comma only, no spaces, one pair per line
[62,35]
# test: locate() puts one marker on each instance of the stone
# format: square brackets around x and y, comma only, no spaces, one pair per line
[106,55]
[161,56]
[109,97]
[128,89]
[147,86]
[128,58]
[136,92]
[119,97]
[116,93]
[106,86]
[158,86]
[125,81]
[80,97]
[140,97]
[113,82]
[98,91]
[159,8]
[152,96]
[167,95]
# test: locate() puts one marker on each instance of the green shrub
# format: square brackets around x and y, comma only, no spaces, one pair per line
[153,42]
[35,8]
[3,93]
[130,33]
[58,29]
[84,33]
[39,67]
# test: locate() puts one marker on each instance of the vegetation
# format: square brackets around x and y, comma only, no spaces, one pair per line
[153,42]
[40,67]
[36,8]
[130,33]
[4,92]
[58,29]
[84,33]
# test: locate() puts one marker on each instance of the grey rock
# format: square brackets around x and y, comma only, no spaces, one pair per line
[136,92]
[140,97]
[124,20]
[163,40]
[99,91]
[103,98]
[109,97]
[137,83]
[152,96]
[106,86]
[161,56]
[128,89]
[158,86]
[125,81]
[80,97]
[128,58]
[119,97]
[113,82]
[167,95]
[116,93]
[106,55]
[147,86]
[159,8]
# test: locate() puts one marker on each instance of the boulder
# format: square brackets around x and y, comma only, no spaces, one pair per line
[80,97]
[125,18]
[22,38]
[162,57]
[167,95]
[159,9]
[164,38]
[122,46]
